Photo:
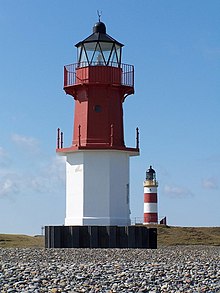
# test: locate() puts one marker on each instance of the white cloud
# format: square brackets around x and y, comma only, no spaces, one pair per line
[177,191]
[56,168]
[210,183]
[48,179]
[44,175]
[8,185]
[30,143]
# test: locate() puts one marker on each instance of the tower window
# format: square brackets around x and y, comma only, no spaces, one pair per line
[127,191]
[97,108]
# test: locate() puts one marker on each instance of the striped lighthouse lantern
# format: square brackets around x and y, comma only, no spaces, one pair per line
[150,197]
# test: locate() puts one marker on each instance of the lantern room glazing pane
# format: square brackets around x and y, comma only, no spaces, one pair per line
[106,49]
[90,49]
[79,49]
[98,58]
[113,58]
[118,52]
[83,58]
[106,46]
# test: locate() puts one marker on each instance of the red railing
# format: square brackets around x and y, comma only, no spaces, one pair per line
[126,78]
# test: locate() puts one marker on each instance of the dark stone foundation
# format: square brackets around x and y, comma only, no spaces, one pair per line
[100,237]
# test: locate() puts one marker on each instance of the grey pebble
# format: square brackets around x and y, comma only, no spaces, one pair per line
[187,269]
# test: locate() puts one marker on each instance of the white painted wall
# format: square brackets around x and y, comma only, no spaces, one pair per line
[97,188]
[150,189]
[74,189]
[150,207]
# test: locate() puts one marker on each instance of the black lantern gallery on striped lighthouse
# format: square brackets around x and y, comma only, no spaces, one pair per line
[150,197]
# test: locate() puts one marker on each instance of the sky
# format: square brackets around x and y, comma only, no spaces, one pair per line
[175,49]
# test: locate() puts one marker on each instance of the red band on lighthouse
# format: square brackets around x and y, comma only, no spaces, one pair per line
[150,197]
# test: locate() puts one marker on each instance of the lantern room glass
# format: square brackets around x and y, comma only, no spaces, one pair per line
[99,53]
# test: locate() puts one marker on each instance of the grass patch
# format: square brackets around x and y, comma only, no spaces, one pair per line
[188,235]
[167,236]
[20,241]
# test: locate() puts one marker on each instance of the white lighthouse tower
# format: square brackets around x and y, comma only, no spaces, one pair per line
[97,162]
[150,197]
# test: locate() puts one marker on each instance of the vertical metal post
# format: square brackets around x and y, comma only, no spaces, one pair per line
[58,138]
[132,75]
[112,135]
[79,135]
[61,143]
[65,76]
[137,138]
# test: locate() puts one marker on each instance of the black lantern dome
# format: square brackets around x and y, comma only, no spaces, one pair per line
[150,174]
[99,27]
[99,48]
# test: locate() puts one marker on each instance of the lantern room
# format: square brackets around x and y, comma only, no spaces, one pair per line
[99,48]
[151,174]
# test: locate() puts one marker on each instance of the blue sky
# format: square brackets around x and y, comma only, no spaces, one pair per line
[175,48]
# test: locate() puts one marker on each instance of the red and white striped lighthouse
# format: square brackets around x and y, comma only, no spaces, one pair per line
[97,162]
[150,197]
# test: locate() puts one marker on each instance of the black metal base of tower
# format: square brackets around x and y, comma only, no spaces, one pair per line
[100,237]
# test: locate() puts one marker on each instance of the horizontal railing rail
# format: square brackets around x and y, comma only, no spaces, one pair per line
[70,77]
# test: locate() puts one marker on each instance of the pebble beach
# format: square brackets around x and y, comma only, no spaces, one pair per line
[166,269]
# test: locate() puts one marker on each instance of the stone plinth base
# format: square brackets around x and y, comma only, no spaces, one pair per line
[100,237]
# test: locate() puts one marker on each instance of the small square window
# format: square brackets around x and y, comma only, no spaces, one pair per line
[97,108]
